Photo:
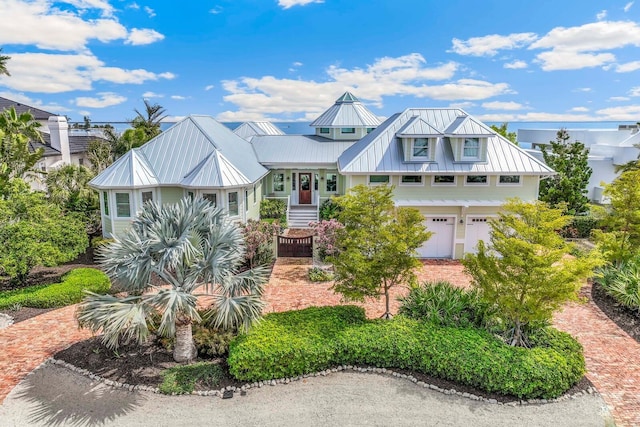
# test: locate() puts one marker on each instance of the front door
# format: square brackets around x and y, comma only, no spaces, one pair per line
[304,192]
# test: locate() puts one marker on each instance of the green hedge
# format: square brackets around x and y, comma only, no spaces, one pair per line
[69,291]
[294,343]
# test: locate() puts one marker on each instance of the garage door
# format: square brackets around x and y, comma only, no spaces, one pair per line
[440,245]
[477,229]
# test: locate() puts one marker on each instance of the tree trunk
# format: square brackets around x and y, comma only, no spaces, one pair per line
[387,314]
[184,349]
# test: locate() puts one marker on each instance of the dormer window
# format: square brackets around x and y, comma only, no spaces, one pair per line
[420,148]
[471,148]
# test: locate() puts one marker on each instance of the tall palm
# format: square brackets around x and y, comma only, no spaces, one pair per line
[17,159]
[24,123]
[189,248]
[3,64]
[150,119]
[69,188]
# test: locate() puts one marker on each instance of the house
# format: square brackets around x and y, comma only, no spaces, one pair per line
[608,148]
[39,115]
[442,161]
[247,130]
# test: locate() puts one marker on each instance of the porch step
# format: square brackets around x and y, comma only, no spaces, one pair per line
[300,217]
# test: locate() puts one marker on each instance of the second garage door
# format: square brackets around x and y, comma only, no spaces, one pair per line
[477,229]
[440,245]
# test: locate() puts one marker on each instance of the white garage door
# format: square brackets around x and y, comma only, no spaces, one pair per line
[477,229]
[440,245]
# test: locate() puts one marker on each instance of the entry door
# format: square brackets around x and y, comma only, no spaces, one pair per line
[304,192]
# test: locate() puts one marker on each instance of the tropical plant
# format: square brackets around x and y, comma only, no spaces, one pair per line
[526,272]
[3,64]
[569,187]
[121,143]
[273,208]
[100,154]
[16,158]
[377,245]
[148,121]
[169,256]
[622,282]
[502,130]
[258,240]
[329,209]
[317,274]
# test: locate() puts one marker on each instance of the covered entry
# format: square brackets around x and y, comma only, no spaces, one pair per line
[440,245]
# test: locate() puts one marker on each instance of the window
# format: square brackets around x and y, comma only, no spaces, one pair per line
[211,198]
[105,200]
[369,130]
[123,208]
[254,195]
[246,200]
[324,130]
[378,179]
[348,130]
[477,179]
[233,203]
[420,147]
[42,166]
[278,182]
[444,179]
[332,182]
[190,194]
[81,161]
[411,179]
[509,179]
[293,181]
[147,196]
[315,182]
[471,148]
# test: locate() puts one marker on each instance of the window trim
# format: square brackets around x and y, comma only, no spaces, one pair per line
[379,183]
[444,184]
[412,184]
[145,190]
[105,203]
[412,147]
[229,193]
[255,197]
[476,184]
[128,193]
[273,182]
[509,184]
[477,156]
[215,197]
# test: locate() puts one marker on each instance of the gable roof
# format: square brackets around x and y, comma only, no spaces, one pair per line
[37,113]
[467,126]
[130,170]
[301,150]
[347,111]
[77,144]
[197,151]
[416,126]
[248,129]
[380,151]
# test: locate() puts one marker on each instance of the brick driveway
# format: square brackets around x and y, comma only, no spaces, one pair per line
[612,357]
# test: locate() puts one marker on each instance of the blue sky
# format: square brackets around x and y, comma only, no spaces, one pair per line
[287,60]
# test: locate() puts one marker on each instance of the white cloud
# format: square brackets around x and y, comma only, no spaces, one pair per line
[634,91]
[297,64]
[149,94]
[208,87]
[462,105]
[55,73]
[501,105]
[627,6]
[619,98]
[582,89]
[516,65]
[574,48]
[37,103]
[601,15]
[627,67]
[215,10]
[259,98]
[286,4]
[84,113]
[491,44]
[134,6]
[579,110]
[172,119]
[622,113]
[141,36]
[150,12]
[178,97]
[82,5]
[107,99]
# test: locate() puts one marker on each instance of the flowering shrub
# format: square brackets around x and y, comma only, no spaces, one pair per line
[326,233]
[258,239]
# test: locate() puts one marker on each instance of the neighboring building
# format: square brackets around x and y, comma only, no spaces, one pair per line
[608,148]
[450,166]
[39,115]
[247,130]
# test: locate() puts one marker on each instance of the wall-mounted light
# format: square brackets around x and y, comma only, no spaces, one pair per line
[322,178]
[461,221]
[288,178]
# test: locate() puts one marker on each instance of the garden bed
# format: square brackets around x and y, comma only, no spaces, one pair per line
[628,320]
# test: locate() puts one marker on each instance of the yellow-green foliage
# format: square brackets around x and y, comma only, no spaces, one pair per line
[69,291]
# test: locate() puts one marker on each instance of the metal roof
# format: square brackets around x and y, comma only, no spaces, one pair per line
[37,113]
[381,152]
[197,151]
[298,149]
[248,129]
[347,111]
[416,126]
[467,126]
[130,170]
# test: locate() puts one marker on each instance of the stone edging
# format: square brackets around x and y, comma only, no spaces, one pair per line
[260,384]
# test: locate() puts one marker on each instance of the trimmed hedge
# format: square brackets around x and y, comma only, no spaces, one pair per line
[294,343]
[69,291]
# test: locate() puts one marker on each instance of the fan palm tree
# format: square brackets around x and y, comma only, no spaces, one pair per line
[69,188]
[149,120]
[3,64]
[188,247]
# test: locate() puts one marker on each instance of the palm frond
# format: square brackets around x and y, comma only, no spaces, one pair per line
[173,303]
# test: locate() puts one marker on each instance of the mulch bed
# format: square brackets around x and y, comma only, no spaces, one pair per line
[628,320]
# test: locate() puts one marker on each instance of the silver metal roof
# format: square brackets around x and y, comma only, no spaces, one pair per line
[348,111]
[416,126]
[298,150]
[248,129]
[467,126]
[197,151]
[130,170]
[381,152]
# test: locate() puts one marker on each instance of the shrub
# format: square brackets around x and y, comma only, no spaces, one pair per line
[317,274]
[326,236]
[210,341]
[294,343]
[445,304]
[258,239]
[623,282]
[580,227]
[69,291]
[329,209]
[182,379]
[273,208]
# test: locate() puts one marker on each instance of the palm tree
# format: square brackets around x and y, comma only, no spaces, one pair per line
[149,121]
[3,64]
[186,248]
[68,187]
[17,158]
[24,123]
